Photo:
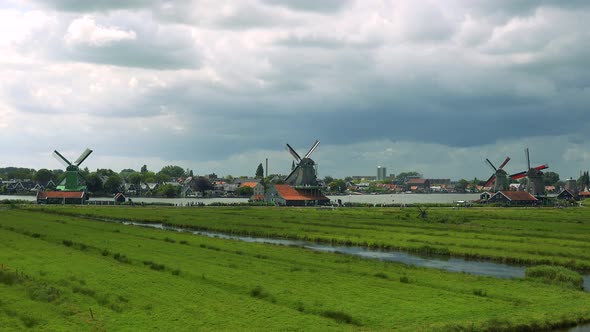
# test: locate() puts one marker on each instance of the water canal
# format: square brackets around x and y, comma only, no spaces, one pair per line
[451,264]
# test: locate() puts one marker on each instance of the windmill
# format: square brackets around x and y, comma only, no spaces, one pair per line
[305,173]
[534,176]
[500,177]
[72,180]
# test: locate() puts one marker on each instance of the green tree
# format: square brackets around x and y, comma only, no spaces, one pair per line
[43,176]
[245,191]
[149,176]
[105,172]
[583,181]
[202,183]
[169,190]
[113,183]
[173,171]
[143,169]
[461,185]
[259,171]
[135,178]
[162,177]
[328,179]
[550,178]
[338,186]
[126,172]
[94,183]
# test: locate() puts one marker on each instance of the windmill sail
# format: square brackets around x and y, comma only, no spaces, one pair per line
[83,157]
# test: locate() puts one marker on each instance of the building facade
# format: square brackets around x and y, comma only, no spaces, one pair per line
[381,173]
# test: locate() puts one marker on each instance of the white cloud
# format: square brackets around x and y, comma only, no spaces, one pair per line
[84,30]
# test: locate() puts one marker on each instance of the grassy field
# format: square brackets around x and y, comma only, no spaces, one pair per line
[68,273]
[518,235]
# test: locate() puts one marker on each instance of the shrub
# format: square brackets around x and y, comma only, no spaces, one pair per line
[8,278]
[105,252]
[555,275]
[381,275]
[404,279]
[29,321]
[169,240]
[340,317]
[67,243]
[480,292]
[121,258]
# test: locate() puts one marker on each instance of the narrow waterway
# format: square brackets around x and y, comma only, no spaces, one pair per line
[446,263]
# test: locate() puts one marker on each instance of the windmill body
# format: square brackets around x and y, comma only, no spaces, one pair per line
[499,178]
[305,172]
[72,180]
[534,185]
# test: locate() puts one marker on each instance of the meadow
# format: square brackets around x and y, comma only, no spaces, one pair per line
[529,236]
[66,272]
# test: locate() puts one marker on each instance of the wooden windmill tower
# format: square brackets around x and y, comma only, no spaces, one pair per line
[72,180]
[305,172]
[499,178]
[534,176]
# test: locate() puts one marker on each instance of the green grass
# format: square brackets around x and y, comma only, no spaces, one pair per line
[204,283]
[555,275]
[531,236]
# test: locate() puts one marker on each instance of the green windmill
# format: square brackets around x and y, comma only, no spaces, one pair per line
[72,180]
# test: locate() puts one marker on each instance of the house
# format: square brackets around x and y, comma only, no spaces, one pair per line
[257,188]
[584,194]
[419,185]
[187,191]
[61,197]
[567,195]
[513,198]
[284,194]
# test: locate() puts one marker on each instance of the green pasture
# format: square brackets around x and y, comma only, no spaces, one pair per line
[513,235]
[60,272]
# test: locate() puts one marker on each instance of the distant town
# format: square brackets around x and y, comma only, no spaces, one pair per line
[175,181]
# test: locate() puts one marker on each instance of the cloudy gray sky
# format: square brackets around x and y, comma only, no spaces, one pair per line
[220,85]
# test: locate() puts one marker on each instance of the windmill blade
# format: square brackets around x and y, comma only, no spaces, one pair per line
[83,157]
[291,174]
[541,167]
[518,175]
[490,180]
[504,163]
[61,158]
[313,147]
[528,160]
[491,165]
[293,153]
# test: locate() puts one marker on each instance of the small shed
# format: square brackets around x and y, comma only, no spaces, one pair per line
[120,198]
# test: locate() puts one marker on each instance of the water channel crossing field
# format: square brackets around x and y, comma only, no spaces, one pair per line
[81,268]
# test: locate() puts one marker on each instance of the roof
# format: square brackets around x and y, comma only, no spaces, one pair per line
[60,194]
[584,193]
[291,194]
[517,195]
[249,184]
[417,181]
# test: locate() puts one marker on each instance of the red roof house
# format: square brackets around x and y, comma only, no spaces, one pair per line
[513,198]
[283,194]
